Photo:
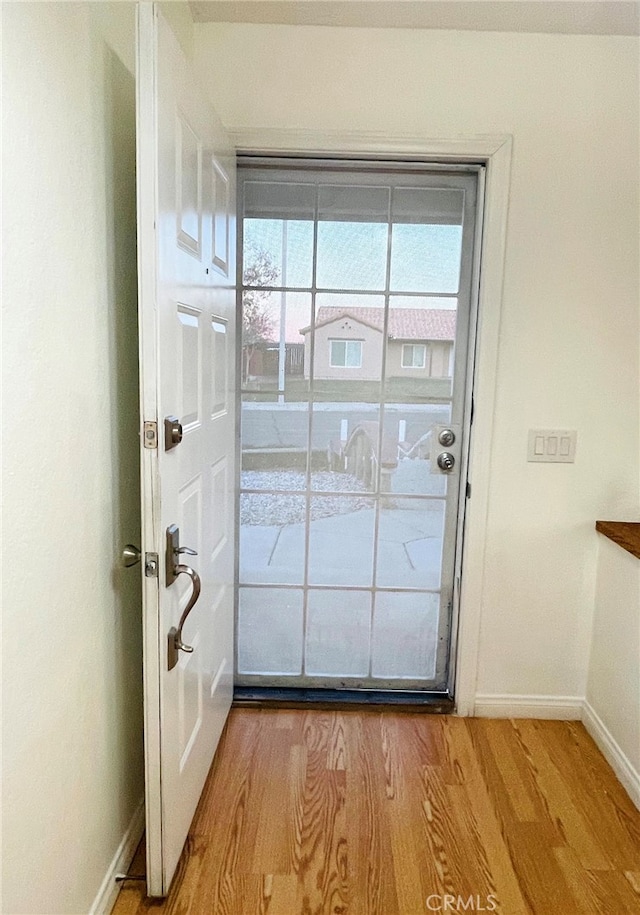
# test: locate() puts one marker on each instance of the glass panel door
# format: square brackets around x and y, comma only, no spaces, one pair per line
[356,291]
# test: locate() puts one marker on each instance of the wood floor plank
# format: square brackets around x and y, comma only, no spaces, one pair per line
[588,844]
[614,823]
[513,775]
[499,784]
[541,878]
[271,839]
[596,891]
[634,880]
[489,836]
[372,813]
[408,818]
[370,862]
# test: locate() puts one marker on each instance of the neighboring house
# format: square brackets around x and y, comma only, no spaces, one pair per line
[349,345]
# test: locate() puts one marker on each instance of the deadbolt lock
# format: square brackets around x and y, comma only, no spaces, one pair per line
[172,432]
[446,461]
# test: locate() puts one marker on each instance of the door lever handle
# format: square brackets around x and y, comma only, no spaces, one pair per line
[174,639]
[173,550]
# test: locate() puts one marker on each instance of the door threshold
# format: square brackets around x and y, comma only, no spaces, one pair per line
[436,703]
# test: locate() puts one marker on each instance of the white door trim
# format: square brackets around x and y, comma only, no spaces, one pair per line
[494,152]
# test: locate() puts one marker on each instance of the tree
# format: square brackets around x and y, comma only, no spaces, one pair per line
[258,323]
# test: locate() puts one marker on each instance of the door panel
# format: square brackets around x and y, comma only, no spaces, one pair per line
[187,317]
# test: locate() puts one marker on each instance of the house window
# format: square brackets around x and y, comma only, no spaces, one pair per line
[414,356]
[345,354]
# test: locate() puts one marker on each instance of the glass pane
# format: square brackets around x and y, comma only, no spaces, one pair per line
[351,255]
[425,258]
[277,252]
[341,540]
[279,200]
[269,631]
[347,362]
[275,340]
[427,205]
[272,538]
[410,536]
[337,640]
[352,237]
[422,331]
[405,635]
[274,445]
[345,440]
[426,239]
[410,425]
[278,234]
[354,203]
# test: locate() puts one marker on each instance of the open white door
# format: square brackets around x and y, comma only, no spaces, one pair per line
[186,239]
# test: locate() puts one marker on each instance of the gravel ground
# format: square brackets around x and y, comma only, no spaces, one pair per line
[282,508]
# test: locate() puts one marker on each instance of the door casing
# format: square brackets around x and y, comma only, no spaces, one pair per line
[494,152]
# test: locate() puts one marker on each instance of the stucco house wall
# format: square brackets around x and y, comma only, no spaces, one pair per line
[436,362]
[345,328]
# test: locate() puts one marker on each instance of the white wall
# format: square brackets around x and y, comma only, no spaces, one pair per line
[178,15]
[73,769]
[569,335]
[613,687]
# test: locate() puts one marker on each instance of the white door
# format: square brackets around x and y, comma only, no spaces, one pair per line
[186,227]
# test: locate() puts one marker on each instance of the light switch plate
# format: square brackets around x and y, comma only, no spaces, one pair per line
[557,446]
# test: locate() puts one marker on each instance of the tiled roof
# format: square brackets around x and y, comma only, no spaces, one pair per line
[404,323]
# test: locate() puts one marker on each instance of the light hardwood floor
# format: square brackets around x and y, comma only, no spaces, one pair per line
[387,813]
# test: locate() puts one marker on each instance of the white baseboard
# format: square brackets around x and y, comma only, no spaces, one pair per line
[565,708]
[108,892]
[610,749]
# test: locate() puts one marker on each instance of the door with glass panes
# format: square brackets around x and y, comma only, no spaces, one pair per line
[356,316]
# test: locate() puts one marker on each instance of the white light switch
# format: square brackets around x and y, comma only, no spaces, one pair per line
[552,445]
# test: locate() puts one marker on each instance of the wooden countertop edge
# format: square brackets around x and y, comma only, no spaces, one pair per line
[625,533]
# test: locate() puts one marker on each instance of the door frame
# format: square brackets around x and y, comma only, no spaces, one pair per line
[494,152]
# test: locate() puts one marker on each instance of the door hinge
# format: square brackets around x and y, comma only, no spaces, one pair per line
[150,436]
[468,490]
[151,565]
